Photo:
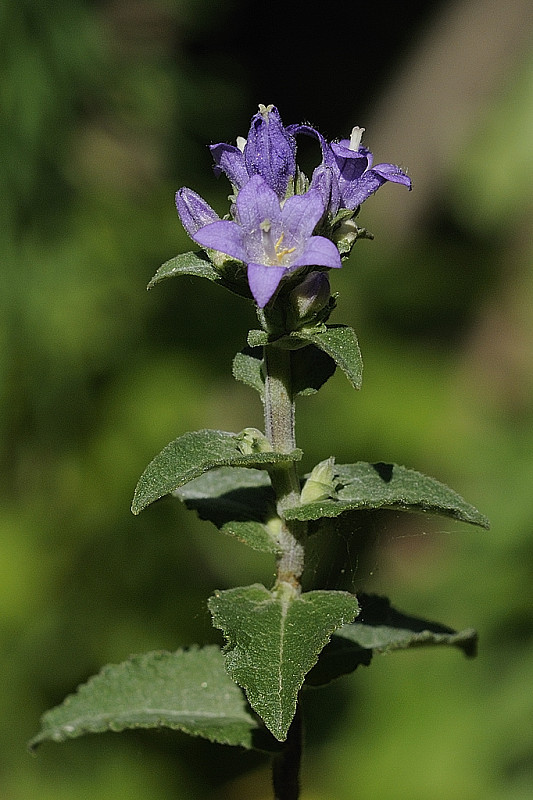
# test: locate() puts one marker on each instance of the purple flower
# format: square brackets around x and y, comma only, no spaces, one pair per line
[269,151]
[194,212]
[272,239]
[346,177]
[351,164]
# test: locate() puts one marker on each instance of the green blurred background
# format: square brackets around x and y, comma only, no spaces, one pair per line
[106,110]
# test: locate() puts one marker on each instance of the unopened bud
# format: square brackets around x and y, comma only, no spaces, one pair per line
[251,440]
[320,484]
[309,298]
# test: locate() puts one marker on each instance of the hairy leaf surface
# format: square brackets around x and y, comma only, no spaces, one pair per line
[188,690]
[274,638]
[380,628]
[232,276]
[193,454]
[365,485]
[340,343]
[240,502]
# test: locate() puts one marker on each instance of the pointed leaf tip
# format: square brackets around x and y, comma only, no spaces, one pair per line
[366,486]
[274,639]
[188,690]
[193,454]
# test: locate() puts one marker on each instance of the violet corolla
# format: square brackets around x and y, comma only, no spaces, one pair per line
[269,151]
[357,179]
[271,238]
[279,222]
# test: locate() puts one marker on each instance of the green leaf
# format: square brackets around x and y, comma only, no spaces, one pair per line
[248,368]
[310,368]
[274,638]
[197,264]
[380,485]
[230,273]
[380,628]
[257,338]
[193,454]
[240,502]
[339,342]
[188,690]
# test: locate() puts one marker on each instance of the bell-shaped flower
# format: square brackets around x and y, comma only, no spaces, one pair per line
[357,179]
[273,239]
[346,176]
[269,151]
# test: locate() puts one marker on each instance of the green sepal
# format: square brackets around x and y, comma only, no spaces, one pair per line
[363,486]
[274,639]
[240,502]
[230,273]
[380,628]
[188,691]
[310,369]
[193,454]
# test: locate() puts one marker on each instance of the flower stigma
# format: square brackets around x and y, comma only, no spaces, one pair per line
[265,110]
[355,138]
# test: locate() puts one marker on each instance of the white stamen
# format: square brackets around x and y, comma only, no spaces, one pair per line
[355,138]
[241,143]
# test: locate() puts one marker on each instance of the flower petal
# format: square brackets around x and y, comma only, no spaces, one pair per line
[355,194]
[350,163]
[257,202]
[230,160]
[263,281]
[393,173]
[225,236]
[270,151]
[193,210]
[325,180]
[300,214]
[320,252]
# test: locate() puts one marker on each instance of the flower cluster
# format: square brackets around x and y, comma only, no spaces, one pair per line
[280,223]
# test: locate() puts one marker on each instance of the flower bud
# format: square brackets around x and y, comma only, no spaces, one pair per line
[320,484]
[308,299]
[251,440]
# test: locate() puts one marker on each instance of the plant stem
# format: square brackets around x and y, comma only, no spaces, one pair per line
[286,765]
[279,430]
[279,406]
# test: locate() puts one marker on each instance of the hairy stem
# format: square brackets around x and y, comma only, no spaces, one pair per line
[279,430]
[279,419]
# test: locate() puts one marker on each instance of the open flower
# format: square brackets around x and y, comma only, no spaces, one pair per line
[346,176]
[357,179]
[269,151]
[272,239]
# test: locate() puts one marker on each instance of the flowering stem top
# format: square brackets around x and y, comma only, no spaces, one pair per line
[281,225]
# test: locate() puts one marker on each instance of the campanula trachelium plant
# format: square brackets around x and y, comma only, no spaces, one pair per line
[281,236]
